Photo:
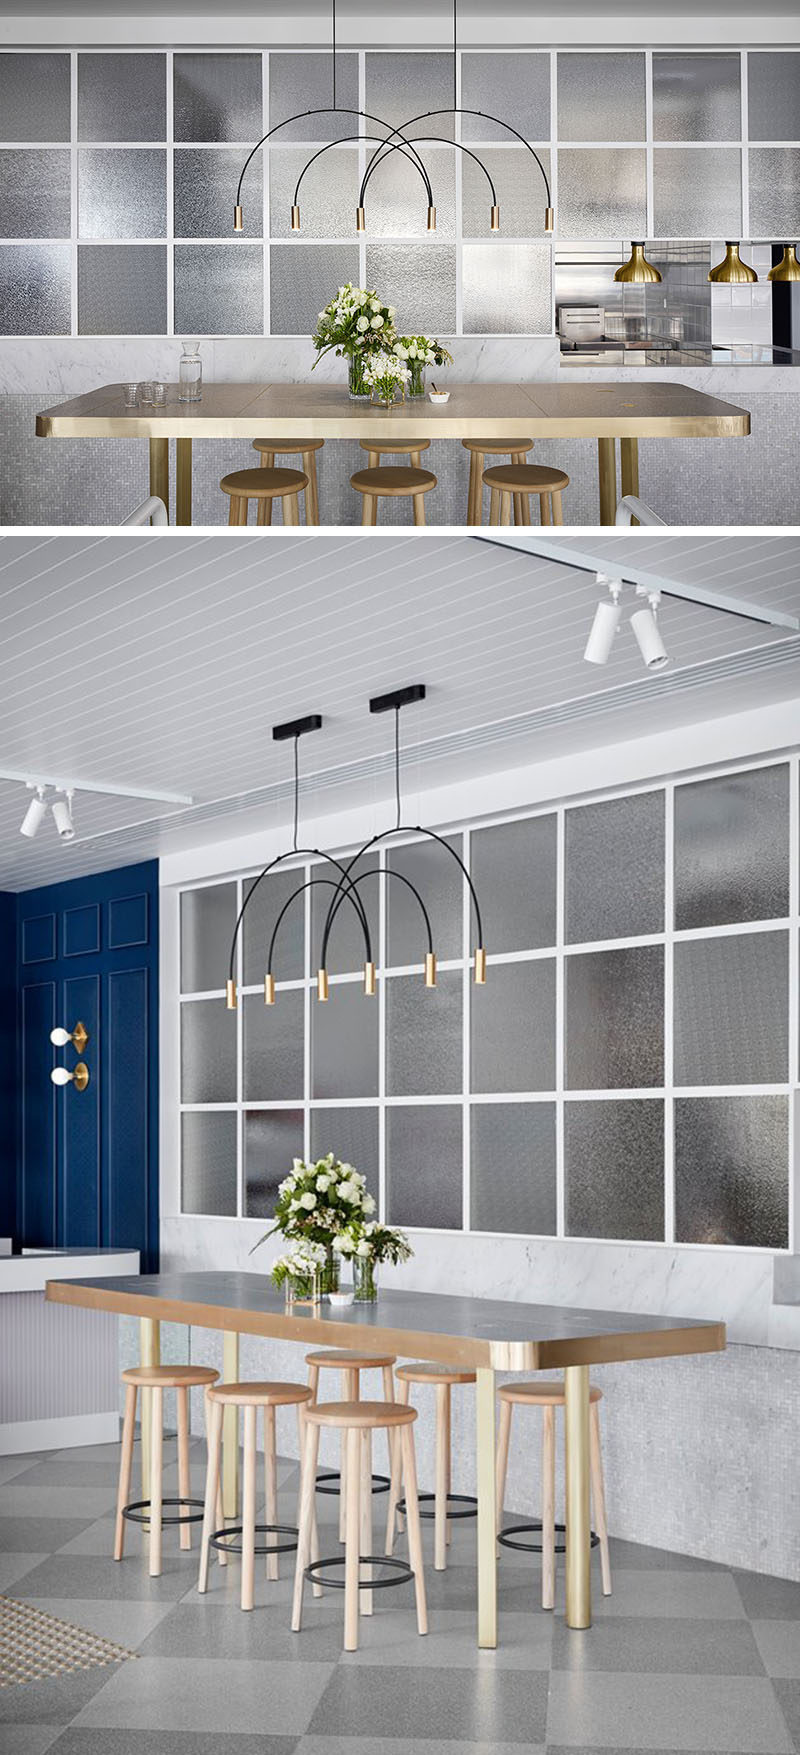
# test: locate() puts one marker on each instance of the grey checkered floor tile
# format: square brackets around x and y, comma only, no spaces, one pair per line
[685,1655]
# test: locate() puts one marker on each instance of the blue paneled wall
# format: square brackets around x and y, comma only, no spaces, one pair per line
[8,1064]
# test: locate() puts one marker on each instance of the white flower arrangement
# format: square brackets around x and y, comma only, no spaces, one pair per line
[383,371]
[318,1200]
[302,1263]
[356,320]
[425,352]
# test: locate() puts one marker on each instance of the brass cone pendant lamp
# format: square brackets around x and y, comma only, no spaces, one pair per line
[732,271]
[788,268]
[637,271]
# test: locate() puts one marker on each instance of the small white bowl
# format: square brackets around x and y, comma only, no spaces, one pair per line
[340,1300]
[438,395]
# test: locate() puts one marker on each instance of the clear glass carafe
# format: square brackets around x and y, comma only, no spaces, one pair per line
[190,375]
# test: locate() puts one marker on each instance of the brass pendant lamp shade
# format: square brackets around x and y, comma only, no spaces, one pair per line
[732,271]
[637,271]
[788,268]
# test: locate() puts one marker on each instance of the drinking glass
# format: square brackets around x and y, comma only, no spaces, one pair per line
[160,393]
[146,390]
[131,393]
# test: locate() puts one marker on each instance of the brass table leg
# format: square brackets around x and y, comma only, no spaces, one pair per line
[159,470]
[230,1429]
[629,466]
[183,481]
[576,1420]
[149,1354]
[607,467]
[487,1550]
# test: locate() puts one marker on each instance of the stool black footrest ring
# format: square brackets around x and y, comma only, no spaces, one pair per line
[140,1511]
[405,1573]
[330,1481]
[466,1499]
[220,1540]
[519,1529]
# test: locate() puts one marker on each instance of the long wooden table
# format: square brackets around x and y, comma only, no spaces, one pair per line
[480,1333]
[604,412]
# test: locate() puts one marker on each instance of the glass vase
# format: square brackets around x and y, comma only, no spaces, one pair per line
[365,1280]
[358,388]
[303,1288]
[416,383]
[384,395]
[330,1271]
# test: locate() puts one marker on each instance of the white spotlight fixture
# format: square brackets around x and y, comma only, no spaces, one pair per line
[606,621]
[645,628]
[35,813]
[62,816]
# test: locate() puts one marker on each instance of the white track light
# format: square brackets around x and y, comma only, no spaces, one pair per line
[648,638]
[62,816]
[606,621]
[34,815]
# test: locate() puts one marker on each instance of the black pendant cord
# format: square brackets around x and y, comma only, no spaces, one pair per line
[375,841]
[392,134]
[455,53]
[296,792]
[333,48]
[397,765]
[429,139]
[374,872]
[343,139]
[330,884]
[281,858]
[459,110]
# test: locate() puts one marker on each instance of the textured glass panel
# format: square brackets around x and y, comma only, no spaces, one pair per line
[346,952]
[423,1036]
[513,1168]
[208,918]
[774,191]
[304,82]
[208,1164]
[615,869]
[219,289]
[520,193]
[732,849]
[697,192]
[396,202]
[514,87]
[34,97]
[122,97]
[272,1138]
[615,1019]
[696,97]
[732,1171]
[273,1047]
[344,1042]
[420,280]
[122,194]
[208,1052]
[205,180]
[402,86]
[507,289]
[288,961]
[773,86]
[602,194]
[352,1136]
[303,278]
[34,290]
[614,1169]
[122,289]
[435,874]
[514,1028]
[218,97]
[424,1177]
[601,97]
[731,1010]
[327,196]
[514,872]
[34,194]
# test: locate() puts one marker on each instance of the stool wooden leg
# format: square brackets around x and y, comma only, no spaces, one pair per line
[440,1502]
[312,491]
[222,1558]
[599,1495]
[125,1467]
[264,513]
[472,491]
[548,1508]
[350,1393]
[184,1477]
[291,508]
[369,509]
[366,1515]
[449,1467]
[352,1541]
[494,507]
[414,1529]
[211,1507]
[374,459]
[149,1354]
[301,1445]
[415,458]
[521,499]
[156,1480]
[183,481]
[270,1484]
[308,1478]
[419,508]
[249,1509]
[388,1396]
[503,1443]
[267,459]
[505,508]
[545,509]
[233,510]
[558,508]
[607,474]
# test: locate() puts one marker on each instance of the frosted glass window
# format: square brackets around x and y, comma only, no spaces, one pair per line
[697,192]
[208,1052]
[219,289]
[208,1164]
[304,82]
[507,288]
[208,918]
[602,194]
[122,194]
[732,849]
[774,191]
[731,1010]
[696,97]
[731,1183]
[614,1169]
[352,1136]
[327,195]
[601,97]
[204,181]
[512,86]
[34,290]
[34,97]
[344,1042]
[122,289]
[396,201]
[513,869]
[423,1176]
[400,87]
[615,868]
[34,195]
[122,97]
[520,190]
[218,97]
[513,1168]
[615,1019]
[773,86]
[261,917]
[303,279]
[419,280]
[346,950]
[514,1028]
[273,1047]
[423,1036]
[435,874]
[272,1138]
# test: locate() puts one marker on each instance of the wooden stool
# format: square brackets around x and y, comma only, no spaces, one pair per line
[411,449]
[155,1379]
[443,1379]
[549,1397]
[351,1364]
[357,1421]
[513,480]
[479,450]
[264,486]
[250,1397]
[305,449]
[392,483]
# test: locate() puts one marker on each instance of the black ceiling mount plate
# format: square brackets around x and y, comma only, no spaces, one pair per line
[297,727]
[397,698]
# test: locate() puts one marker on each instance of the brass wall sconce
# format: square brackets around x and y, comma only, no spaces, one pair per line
[79,1077]
[79,1037]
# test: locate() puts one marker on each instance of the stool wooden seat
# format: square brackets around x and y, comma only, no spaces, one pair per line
[357,1420]
[479,450]
[443,1378]
[250,1397]
[305,449]
[549,1397]
[153,1380]
[389,448]
[523,480]
[350,1362]
[347,1359]
[264,486]
[392,482]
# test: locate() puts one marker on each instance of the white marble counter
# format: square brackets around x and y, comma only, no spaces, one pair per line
[30,1271]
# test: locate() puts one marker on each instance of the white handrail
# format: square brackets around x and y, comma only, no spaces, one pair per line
[152,511]
[631,507]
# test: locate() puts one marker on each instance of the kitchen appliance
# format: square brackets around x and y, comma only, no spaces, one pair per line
[577,323]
